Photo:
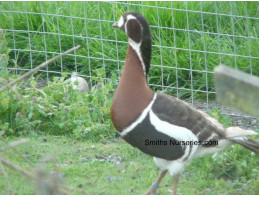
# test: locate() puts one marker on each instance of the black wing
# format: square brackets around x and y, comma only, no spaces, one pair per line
[179,113]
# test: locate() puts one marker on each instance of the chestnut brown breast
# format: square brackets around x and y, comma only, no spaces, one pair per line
[132,95]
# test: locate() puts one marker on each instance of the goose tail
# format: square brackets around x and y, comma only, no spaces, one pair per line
[238,135]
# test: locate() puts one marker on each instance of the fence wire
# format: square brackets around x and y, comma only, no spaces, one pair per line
[189,40]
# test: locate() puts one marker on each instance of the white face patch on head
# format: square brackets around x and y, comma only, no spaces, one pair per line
[120,22]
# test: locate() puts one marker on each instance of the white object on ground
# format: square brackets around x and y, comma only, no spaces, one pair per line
[79,83]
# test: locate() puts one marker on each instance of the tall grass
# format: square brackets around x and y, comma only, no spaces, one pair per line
[91,26]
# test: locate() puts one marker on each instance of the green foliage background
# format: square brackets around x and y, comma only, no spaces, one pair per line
[55,31]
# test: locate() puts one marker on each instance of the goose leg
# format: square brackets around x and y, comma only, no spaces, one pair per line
[176,179]
[155,185]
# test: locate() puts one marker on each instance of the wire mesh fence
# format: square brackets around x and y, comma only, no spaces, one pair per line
[189,40]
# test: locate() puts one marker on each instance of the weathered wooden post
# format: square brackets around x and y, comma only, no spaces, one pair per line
[237,89]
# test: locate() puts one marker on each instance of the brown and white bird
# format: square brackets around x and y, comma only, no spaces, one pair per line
[160,125]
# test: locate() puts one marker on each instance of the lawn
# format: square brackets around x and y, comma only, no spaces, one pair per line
[114,167]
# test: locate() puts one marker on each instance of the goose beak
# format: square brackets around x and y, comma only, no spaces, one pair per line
[115,25]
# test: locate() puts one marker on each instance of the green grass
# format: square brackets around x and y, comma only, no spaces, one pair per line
[107,49]
[234,171]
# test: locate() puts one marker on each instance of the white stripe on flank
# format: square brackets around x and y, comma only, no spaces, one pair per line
[176,132]
[140,119]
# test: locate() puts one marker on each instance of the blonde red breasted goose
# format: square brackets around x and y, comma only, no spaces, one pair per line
[160,125]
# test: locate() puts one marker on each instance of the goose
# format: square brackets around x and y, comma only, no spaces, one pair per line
[160,125]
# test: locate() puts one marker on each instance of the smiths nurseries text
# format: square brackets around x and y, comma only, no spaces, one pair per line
[182,143]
